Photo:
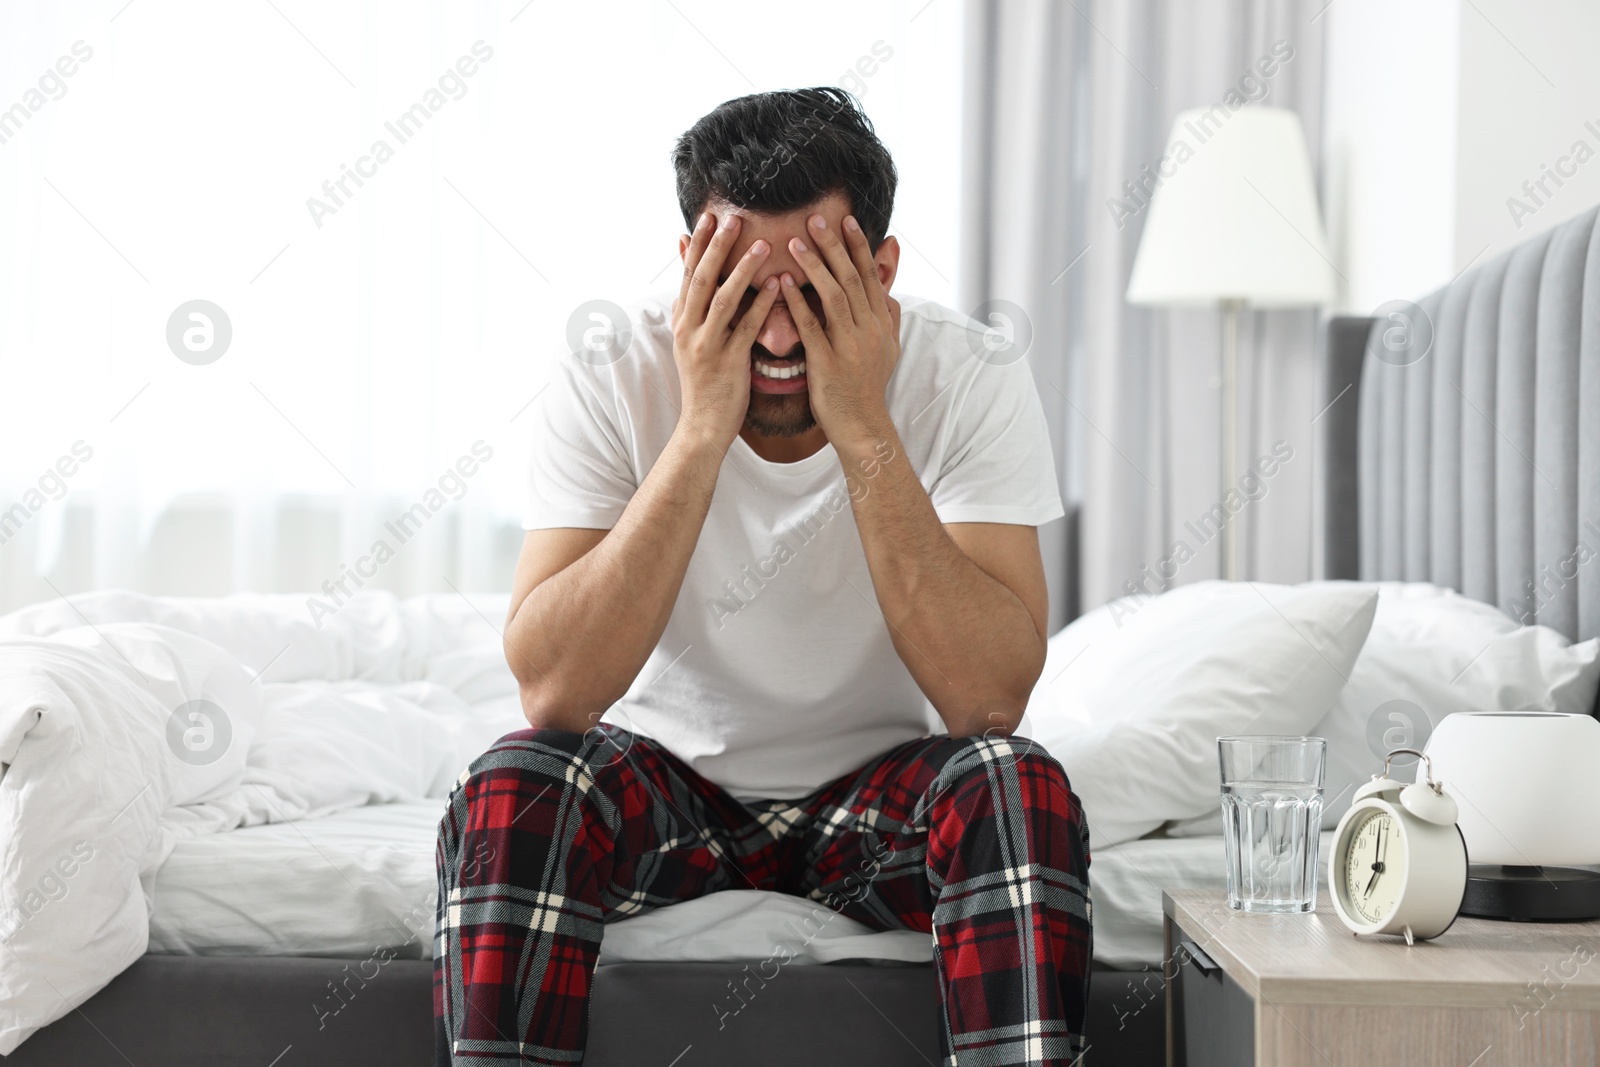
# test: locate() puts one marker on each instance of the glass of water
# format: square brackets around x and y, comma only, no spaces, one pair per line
[1271,820]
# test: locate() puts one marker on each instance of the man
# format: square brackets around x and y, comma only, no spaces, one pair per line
[793,515]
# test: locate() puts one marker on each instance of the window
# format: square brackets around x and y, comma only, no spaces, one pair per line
[395,207]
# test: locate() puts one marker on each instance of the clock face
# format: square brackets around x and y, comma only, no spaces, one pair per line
[1374,868]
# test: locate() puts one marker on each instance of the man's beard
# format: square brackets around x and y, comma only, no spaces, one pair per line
[779,414]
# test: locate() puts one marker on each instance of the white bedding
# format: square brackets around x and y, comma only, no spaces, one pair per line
[362,880]
[113,841]
[343,885]
[370,872]
[106,770]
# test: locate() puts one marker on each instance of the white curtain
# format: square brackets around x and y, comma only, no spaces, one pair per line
[390,309]
[1066,102]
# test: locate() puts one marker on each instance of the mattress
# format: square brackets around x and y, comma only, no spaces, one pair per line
[345,885]
[360,881]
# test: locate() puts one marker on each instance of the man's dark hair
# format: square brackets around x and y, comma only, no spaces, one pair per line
[775,152]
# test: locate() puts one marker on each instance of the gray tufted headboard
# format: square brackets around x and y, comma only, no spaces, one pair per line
[1477,466]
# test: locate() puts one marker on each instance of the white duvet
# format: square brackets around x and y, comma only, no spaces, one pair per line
[128,722]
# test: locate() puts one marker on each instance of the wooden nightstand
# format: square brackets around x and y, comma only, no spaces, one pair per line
[1303,991]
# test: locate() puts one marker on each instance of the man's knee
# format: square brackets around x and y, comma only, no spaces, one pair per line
[602,745]
[564,740]
[1022,768]
[545,762]
[523,783]
[982,756]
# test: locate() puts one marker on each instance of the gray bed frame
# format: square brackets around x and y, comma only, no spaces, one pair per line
[219,1011]
[1477,466]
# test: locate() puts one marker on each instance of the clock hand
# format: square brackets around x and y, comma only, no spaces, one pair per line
[1378,864]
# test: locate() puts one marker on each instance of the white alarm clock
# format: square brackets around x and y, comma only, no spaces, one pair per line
[1399,862]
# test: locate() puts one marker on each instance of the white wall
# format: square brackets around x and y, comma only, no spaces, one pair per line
[1437,113]
[176,158]
[1390,144]
[1530,91]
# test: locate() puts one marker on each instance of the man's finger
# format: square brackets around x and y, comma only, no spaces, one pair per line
[811,331]
[691,255]
[704,281]
[750,323]
[842,267]
[731,292]
[833,298]
[855,240]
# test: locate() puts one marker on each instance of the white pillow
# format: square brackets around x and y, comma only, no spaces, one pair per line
[1433,652]
[1134,695]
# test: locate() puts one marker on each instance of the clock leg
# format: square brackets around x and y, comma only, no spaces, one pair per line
[1409,939]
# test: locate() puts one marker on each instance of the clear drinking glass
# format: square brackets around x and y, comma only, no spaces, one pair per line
[1271,820]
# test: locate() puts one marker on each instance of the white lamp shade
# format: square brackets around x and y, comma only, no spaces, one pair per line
[1527,784]
[1234,216]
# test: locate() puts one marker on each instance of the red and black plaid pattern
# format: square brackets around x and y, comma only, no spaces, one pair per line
[550,835]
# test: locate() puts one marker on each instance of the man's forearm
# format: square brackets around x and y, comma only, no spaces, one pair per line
[967,639]
[582,635]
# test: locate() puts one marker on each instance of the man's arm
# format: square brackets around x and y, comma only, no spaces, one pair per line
[965,605]
[588,606]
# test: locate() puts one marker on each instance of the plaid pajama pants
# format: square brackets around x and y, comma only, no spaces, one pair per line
[550,835]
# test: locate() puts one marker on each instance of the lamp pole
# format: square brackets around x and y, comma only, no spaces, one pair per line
[1238,226]
[1231,307]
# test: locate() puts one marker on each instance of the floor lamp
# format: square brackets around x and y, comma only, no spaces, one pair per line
[1232,223]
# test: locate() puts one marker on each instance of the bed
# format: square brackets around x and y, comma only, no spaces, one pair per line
[1471,474]
[231,916]
[1478,467]
[371,870]
[305,932]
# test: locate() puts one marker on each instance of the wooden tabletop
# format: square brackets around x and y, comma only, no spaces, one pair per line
[1314,959]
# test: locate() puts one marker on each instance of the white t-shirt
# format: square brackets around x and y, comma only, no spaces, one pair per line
[775,673]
